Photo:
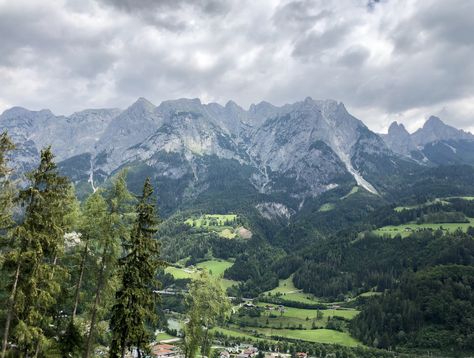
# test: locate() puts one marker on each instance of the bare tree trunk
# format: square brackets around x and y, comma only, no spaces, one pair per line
[37,350]
[96,304]
[79,282]
[11,302]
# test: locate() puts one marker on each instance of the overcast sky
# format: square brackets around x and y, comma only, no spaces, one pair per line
[386,60]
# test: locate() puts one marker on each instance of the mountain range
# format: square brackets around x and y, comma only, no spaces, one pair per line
[275,157]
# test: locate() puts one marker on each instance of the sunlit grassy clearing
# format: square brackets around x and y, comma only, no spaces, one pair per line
[313,335]
[405,230]
[215,268]
[211,220]
[289,292]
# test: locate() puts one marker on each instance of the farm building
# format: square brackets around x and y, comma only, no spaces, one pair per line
[165,351]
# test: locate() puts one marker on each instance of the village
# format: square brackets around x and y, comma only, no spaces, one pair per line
[166,350]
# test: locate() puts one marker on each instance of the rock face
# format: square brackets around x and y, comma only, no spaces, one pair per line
[435,130]
[298,150]
[399,140]
[436,143]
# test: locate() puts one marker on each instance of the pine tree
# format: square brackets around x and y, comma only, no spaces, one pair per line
[135,301]
[37,243]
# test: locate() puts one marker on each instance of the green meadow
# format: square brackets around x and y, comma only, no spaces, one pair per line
[405,230]
[215,268]
[163,337]
[286,290]
[327,336]
[222,224]
[208,220]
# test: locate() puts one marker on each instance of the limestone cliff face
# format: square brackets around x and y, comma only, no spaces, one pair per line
[303,149]
[436,143]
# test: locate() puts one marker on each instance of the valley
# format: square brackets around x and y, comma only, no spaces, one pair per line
[307,231]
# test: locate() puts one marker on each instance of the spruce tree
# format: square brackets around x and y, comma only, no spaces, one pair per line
[38,241]
[135,301]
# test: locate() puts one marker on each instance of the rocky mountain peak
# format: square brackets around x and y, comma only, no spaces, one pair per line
[14,112]
[433,121]
[435,129]
[142,102]
[20,112]
[90,115]
[313,144]
[398,139]
[261,111]
[181,105]
[140,108]
[397,130]
[231,105]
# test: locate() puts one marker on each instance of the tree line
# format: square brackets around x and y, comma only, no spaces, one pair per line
[68,268]
[82,279]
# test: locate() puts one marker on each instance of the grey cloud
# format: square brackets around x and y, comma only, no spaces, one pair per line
[312,44]
[354,56]
[435,22]
[299,15]
[449,21]
[372,3]
[369,54]
[165,14]
[207,6]
[42,38]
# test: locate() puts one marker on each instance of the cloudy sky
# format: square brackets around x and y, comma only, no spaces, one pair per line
[385,59]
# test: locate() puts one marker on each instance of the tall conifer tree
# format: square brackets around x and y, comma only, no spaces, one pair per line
[37,243]
[135,306]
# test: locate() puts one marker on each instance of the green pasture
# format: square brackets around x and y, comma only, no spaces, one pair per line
[405,230]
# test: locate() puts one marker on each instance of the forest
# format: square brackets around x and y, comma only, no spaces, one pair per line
[81,279]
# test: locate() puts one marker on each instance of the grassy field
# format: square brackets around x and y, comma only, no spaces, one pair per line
[232,333]
[215,268]
[406,229]
[221,224]
[303,313]
[326,207]
[370,294]
[288,319]
[277,324]
[208,220]
[163,337]
[428,203]
[443,201]
[181,273]
[313,335]
[289,292]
